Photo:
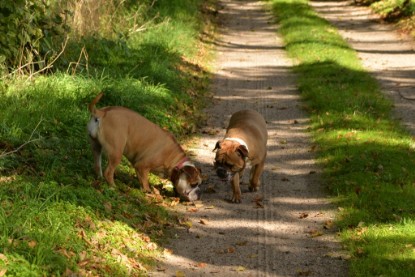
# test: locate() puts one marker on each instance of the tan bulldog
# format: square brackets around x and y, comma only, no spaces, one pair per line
[120,131]
[245,141]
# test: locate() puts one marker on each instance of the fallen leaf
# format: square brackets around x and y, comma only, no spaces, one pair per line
[315,233]
[68,273]
[361,231]
[240,268]
[303,272]
[82,255]
[201,265]
[328,224]
[145,238]
[167,251]
[303,215]
[360,251]
[242,243]
[180,274]
[83,263]
[151,246]
[230,250]
[174,201]
[198,205]
[257,201]
[32,244]
[203,221]
[83,235]
[186,223]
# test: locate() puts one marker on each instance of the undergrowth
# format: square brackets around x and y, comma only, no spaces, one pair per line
[56,219]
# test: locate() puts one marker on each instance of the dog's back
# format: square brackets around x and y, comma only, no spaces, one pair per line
[123,131]
[249,124]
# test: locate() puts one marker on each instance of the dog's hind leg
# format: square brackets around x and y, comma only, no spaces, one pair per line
[255,175]
[113,161]
[97,151]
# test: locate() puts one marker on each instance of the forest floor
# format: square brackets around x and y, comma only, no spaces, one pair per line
[284,229]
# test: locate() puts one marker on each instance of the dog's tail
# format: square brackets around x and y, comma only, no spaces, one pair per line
[92,109]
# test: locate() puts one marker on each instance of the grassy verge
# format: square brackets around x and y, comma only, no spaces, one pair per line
[55,218]
[367,157]
[399,12]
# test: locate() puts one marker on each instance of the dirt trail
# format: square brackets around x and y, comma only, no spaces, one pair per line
[388,55]
[283,229]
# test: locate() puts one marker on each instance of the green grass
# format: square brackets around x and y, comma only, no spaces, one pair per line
[55,217]
[367,157]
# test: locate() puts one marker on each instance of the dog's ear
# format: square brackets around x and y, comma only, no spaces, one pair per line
[192,173]
[217,146]
[174,177]
[242,150]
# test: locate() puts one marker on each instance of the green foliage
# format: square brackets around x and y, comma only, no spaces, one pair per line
[55,217]
[27,30]
[367,157]
[391,9]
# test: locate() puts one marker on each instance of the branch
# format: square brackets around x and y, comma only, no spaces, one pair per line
[30,140]
[50,65]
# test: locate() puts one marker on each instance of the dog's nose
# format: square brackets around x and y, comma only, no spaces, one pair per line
[195,194]
[221,172]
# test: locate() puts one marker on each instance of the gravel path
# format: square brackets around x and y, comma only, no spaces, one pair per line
[284,229]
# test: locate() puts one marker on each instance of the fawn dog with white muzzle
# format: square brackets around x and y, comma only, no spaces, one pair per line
[245,141]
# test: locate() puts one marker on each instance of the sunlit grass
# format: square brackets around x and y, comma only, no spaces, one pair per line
[367,157]
[56,219]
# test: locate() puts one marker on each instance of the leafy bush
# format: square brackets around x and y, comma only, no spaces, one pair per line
[27,31]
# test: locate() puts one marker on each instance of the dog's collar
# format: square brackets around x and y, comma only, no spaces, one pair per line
[240,141]
[183,162]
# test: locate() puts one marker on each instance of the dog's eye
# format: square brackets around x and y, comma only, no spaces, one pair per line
[228,165]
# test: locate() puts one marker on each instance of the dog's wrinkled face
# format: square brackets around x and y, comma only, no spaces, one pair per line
[186,181]
[230,158]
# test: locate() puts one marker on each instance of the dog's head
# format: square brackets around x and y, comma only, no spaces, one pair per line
[230,158]
[186,179]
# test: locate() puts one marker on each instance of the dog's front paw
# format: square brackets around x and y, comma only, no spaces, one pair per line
[236,199]
[252,189]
